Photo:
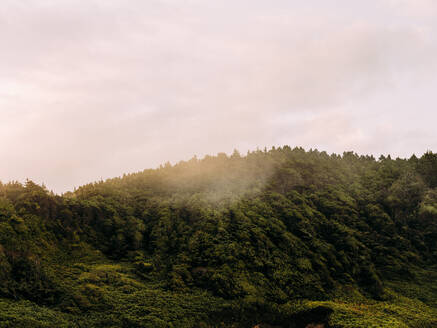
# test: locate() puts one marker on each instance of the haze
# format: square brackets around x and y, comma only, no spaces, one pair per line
[95,89]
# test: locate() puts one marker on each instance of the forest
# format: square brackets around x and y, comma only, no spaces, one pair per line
[280,237]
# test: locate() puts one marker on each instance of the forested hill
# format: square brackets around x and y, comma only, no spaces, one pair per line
[284,237]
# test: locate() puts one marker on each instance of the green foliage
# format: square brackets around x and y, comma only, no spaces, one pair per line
[210,242]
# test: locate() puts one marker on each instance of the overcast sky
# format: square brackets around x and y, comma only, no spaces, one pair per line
[96,88]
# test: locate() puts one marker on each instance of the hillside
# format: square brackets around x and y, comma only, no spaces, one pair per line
[281,237]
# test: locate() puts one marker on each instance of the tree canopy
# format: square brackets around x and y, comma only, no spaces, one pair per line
[268,229]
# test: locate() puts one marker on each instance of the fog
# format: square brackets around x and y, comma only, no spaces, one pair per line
[95,89]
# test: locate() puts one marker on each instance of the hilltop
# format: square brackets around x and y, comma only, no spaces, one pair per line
[284,237]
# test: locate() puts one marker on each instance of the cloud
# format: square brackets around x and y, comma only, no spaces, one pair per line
[98,89]
[418,8]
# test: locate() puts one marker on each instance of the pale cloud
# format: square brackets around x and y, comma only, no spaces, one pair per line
[92,89]
[421,8]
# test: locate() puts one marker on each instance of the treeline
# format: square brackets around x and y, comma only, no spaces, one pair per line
[271,226]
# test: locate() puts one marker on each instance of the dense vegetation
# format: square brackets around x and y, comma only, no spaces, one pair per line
[282,237]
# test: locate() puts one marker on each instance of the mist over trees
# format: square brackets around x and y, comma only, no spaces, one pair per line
[254,234]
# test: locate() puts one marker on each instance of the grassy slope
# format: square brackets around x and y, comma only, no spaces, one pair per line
[108,294]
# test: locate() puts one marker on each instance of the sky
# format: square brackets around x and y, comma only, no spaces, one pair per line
[93,89]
